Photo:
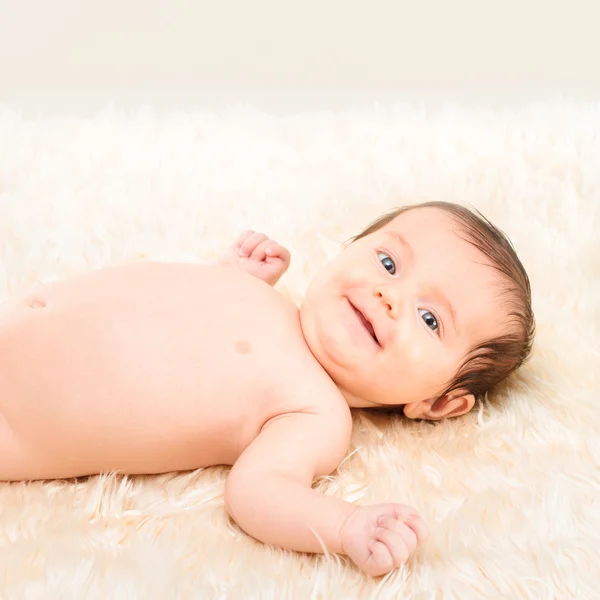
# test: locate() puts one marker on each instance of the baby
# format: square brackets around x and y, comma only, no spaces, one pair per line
[152,368]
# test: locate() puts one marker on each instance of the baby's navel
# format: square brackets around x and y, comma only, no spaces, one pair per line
[242,346]
[37,303]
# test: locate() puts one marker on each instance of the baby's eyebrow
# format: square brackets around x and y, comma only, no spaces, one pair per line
[449,308]
[398,237]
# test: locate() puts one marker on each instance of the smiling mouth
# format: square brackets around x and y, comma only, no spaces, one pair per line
[366,324]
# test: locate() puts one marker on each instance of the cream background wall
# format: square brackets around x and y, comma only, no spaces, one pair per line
[69,55]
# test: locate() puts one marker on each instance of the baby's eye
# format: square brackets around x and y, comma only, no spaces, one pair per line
[429,319]
[387,262]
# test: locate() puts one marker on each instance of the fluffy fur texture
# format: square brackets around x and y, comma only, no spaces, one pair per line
[510,491]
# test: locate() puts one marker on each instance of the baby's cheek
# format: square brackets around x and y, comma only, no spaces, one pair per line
[424,364]
[414,355]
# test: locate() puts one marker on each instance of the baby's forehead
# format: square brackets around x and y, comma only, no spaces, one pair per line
[432,230]
[423,220]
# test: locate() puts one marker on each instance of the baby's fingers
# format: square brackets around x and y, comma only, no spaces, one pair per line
[417,524]
[409,515]
[380,560]
[250,243]
[403,530]
[242,238]
[395,545]
[264,249]
[274,250]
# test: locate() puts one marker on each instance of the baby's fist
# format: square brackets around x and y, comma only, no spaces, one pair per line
[382,537]
[256,254]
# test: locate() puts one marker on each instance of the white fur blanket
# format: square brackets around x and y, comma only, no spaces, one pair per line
[512,492]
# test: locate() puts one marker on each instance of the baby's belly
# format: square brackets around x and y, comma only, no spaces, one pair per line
[143,369]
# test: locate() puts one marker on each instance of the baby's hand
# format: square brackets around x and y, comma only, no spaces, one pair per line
[257,255]
[381,537]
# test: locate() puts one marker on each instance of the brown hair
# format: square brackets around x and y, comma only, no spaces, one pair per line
[492,361]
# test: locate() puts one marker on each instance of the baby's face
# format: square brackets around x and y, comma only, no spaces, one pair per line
[393,316]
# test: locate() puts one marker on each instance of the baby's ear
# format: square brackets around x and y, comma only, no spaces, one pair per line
[454,404]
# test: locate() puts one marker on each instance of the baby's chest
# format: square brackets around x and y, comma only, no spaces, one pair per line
[197,339]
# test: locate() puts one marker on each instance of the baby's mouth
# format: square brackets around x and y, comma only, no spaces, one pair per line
[366,325]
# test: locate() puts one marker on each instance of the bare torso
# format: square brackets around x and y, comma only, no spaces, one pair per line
[144,369]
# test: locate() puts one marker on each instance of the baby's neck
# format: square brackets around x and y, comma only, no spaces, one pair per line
[354,401]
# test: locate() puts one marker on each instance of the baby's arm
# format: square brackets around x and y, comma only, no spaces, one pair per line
[268,493]
[256,254]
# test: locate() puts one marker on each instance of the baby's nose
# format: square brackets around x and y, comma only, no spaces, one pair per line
[389,297]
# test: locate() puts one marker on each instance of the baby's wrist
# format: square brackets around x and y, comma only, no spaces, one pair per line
[345,524]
